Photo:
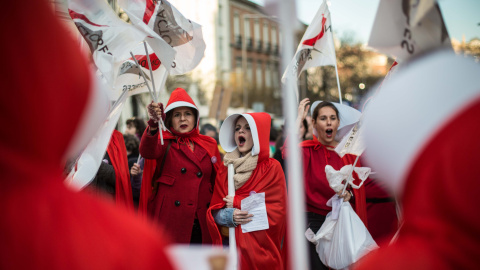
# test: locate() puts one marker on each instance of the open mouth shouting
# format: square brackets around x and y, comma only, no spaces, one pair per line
[241,140]
[329,132]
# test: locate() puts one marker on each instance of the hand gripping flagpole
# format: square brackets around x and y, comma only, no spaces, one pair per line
[161,125]
[149,90]
[232,243]
[350,175]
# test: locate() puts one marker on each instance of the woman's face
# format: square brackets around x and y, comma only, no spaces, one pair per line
[243,136]
[183,119]
[326,125]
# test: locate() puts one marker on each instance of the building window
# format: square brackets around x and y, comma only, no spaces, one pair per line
[259,75]
[236,24]
[274,35]
[276,81]
[238,65]
[249,72]
[268,78]
[256,30]
[220,10]
[265,33]
[247,28]
[220,49]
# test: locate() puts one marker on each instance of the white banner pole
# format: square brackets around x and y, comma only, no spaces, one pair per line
[232,243]
[296,194]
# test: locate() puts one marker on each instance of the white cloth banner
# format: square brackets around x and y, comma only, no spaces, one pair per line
[405,28]
[129,77]
[111,40]
[90,160]
[165,22]
[316,47]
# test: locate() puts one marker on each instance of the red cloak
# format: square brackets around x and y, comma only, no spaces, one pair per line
[259,249]
[118,155]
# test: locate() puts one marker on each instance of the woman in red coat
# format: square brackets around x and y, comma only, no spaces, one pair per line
[185,167]
[245,137]
[318,153]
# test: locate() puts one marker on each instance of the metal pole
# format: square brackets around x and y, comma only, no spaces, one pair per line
[296,195]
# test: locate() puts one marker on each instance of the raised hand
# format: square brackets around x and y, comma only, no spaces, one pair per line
[302,111]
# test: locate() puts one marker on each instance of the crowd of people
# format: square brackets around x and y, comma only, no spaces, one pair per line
[180,184]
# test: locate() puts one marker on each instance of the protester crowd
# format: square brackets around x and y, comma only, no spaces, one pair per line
[174,174]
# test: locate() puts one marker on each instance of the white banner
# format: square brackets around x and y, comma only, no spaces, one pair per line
[164,21]
[407,28]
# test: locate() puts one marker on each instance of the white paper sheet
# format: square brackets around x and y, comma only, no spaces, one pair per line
[255,204]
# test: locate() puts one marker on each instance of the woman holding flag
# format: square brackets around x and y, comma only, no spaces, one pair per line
[318,153]
[179,175]
[245,137]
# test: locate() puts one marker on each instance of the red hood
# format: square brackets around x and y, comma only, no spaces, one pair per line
[260,127]
[43,114]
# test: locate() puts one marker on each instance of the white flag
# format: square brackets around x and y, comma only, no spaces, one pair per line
[164,21]
[352,143]
[316,47]
[111,40]
[129,77]
[406,28]
[91,158]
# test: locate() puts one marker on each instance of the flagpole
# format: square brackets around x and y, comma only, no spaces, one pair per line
[296,194]
[350,175]
[143,75]
[338,81]
[150,68]
[149,90]
[232,243]
[162,86]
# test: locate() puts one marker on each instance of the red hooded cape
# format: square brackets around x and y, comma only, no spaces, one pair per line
[259,249]
[178,98]
[47,90]
[118,155]
[360,198]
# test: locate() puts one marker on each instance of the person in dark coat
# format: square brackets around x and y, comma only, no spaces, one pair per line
[183,170]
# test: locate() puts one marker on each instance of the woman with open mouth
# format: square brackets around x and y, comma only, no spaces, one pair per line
[318,153]
[179,174]
[245,138]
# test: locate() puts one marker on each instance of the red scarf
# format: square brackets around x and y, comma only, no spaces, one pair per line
[118,155]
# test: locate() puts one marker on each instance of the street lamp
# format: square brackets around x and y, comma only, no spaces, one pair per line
[244,53]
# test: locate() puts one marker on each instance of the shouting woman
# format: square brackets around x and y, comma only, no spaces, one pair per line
[245,137]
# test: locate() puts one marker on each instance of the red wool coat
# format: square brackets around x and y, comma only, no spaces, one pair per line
[185,186]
